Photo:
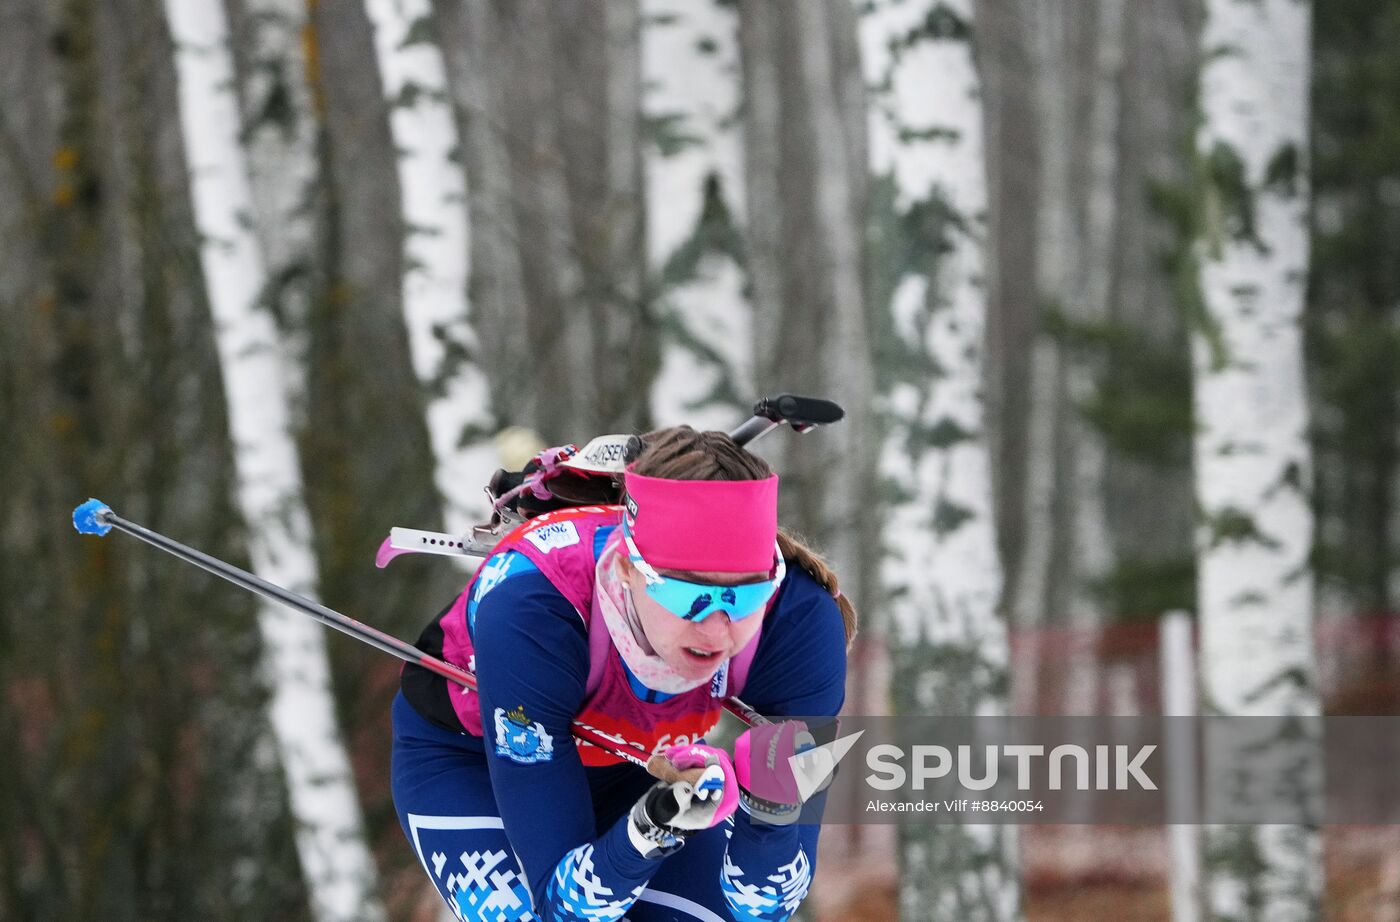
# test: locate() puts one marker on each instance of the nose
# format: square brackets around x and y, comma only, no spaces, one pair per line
[715,627]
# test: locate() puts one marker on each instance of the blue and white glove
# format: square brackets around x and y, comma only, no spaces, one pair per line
[673,811]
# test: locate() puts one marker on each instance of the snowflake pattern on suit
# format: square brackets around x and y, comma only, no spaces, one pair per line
[579,891]
[773,899]
[486,888]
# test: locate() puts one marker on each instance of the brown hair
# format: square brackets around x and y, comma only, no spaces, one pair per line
[682,453]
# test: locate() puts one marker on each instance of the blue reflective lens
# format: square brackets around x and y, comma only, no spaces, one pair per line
[695,601]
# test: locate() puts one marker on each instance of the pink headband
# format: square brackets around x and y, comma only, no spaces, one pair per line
[727,526]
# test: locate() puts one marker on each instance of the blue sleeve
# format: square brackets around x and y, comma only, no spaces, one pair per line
[799,670]
[532,667]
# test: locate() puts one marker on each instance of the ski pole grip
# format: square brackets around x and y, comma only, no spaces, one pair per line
[663,769]
[799,411]
[802,413]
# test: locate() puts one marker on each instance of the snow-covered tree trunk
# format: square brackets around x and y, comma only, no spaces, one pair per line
[432,187]
[695,195]
[1253,465]
[279,140]
[941,570]
[337,864]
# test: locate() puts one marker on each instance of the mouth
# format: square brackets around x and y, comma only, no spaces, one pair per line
[702,655]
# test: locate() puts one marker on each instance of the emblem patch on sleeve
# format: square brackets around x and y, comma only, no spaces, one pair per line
[520,739]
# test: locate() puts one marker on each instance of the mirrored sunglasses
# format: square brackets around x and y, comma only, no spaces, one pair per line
[696,601]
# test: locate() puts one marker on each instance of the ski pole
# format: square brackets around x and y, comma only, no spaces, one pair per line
[96,518]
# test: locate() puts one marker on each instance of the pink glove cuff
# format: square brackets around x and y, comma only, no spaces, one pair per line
[698,755]
[761,763]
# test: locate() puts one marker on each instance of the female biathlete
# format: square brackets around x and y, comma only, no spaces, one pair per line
[639,621]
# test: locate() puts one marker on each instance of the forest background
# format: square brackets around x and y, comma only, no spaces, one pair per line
[987,229]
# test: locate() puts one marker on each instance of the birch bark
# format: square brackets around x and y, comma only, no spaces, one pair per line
[279,142]
[432,187]
[1253,465]
[330,839]
[694,199]
[941,569]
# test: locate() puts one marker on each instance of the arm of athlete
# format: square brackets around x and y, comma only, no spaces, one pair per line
[532,667]
[799,670]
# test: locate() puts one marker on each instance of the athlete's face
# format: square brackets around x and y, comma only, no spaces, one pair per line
[695,649]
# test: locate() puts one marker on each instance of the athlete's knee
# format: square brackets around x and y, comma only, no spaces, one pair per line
[487,886]
[470,862]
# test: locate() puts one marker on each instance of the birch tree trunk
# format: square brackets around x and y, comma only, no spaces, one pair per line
[444,346]
[941,571]
[338,867]
[109,378]
[280,144]
[695,193]
[1253,465]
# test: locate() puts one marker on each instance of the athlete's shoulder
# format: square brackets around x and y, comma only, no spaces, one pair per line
[805,622]
[493,574]
[801,591]
[800,664]
[512,599]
